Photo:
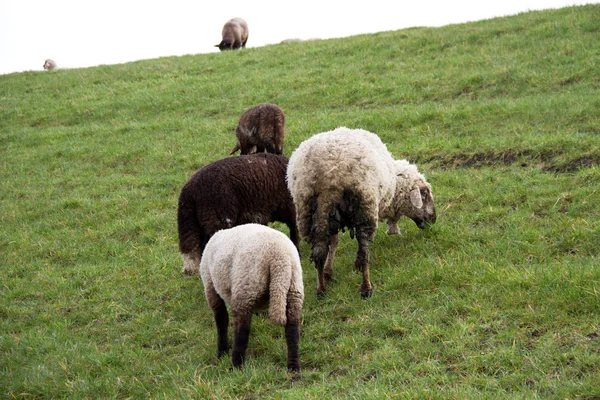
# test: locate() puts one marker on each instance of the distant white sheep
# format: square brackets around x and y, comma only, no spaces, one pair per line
[234,34]
[49,64]
[348,179]
[249,267]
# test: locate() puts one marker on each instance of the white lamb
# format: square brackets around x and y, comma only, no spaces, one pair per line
[248,267]
[346,178]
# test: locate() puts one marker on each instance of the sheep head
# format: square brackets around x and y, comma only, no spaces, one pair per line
[224,45]
[413,198]
[422,210]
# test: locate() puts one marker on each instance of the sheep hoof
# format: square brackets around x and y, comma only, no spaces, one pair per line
[321,293]
[221,353]
[191,272]
[328,275]
[366,292]
[296,377]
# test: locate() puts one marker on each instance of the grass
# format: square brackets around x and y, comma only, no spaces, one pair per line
[499,299]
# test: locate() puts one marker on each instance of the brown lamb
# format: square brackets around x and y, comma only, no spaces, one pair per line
[260,128]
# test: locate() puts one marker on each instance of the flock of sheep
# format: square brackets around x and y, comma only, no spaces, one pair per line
[336,180]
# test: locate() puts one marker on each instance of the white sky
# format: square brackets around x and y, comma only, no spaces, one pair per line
[82,33]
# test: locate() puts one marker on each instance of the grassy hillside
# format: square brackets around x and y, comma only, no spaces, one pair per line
[500,298]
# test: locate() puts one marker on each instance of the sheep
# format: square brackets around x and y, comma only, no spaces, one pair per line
[49,64]
[248,267]
[348,179]
[234,34]
[229,192]
[259,128]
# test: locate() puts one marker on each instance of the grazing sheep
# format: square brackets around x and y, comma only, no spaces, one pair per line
[259,128]
[230,192]
[49,64]
[248,267]
[347,179]
[234,34]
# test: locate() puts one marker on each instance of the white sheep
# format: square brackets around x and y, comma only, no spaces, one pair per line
[346,178]
[248,267]
[49,64]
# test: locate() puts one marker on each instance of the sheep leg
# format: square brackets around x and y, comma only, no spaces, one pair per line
[362,262]
[219,308]
[241,332]
[334,240]
[321,283]
[191,262]
[292,337]
[294,236]
[222,321]
[271,149]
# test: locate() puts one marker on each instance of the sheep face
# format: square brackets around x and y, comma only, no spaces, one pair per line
[49,64]
[416,204]
[422,210]
[226,45]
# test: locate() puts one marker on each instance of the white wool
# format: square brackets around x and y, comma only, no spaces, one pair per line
[247,261]
[343,158]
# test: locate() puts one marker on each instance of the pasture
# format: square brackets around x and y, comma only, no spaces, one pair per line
[499,299]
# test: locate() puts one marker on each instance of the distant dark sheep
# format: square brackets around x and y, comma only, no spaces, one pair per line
[260,128]
[234,34]
[49,64]
[230,192]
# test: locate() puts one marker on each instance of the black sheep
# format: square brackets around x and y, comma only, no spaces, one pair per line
[230,192]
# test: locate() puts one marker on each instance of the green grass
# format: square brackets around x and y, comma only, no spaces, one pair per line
[499,299]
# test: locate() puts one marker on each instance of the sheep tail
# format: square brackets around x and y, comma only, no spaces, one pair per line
[320,209]
[279,286]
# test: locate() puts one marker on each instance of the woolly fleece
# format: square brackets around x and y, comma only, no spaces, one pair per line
[329,162]
[247,262]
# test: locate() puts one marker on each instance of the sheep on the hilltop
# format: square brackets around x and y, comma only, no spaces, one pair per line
[260,128]
[49,64]
[234,34]
[348,179]
[230,192]
[249,267]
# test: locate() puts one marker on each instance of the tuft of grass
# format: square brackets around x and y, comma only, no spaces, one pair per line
[500,298]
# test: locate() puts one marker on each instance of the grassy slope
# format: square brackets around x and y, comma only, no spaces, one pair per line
[500,298]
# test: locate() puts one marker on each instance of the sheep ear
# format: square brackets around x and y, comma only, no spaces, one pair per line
[415,198]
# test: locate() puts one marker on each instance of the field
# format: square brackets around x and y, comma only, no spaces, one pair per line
[499,299]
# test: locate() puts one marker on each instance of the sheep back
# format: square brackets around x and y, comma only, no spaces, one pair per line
[247,262]
[230,192]
[329,164]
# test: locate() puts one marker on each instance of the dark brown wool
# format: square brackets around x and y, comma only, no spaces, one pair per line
[230,192]
[260,128]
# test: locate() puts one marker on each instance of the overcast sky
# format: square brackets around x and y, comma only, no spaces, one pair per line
[82,33]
